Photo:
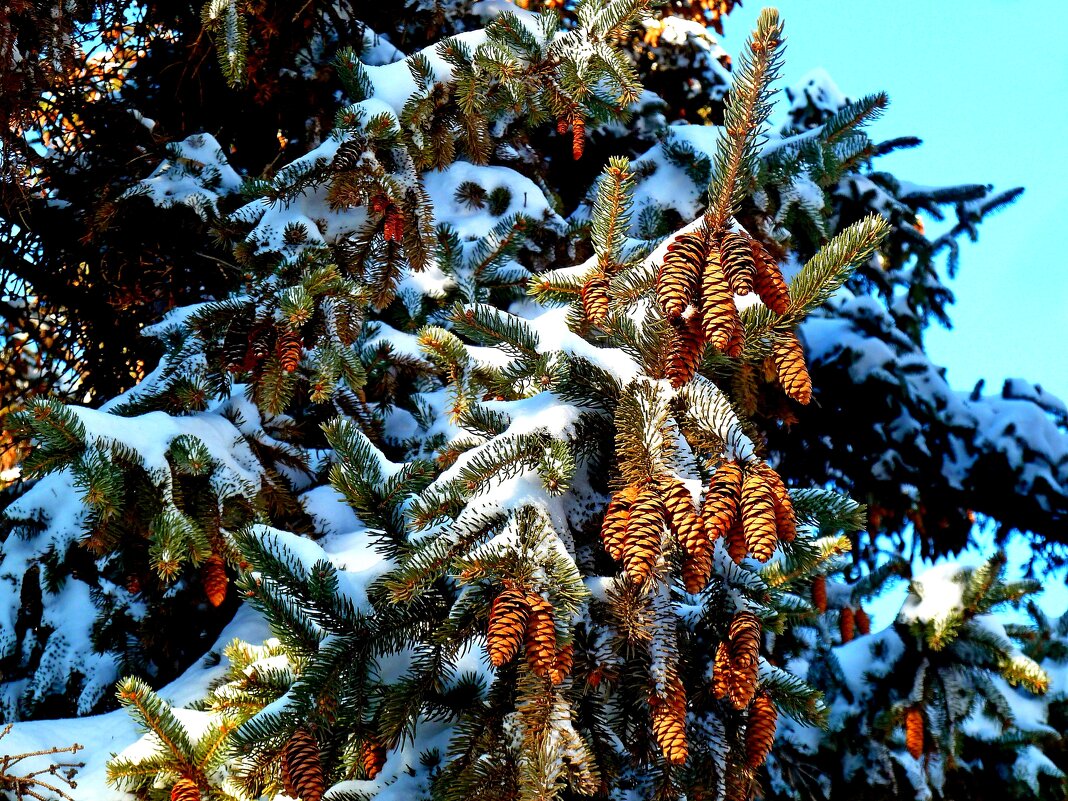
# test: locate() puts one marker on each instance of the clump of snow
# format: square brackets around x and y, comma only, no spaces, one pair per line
[196,175]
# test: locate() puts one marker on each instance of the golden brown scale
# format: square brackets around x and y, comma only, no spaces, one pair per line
[846,624]
[289,349]
[688,349]
[302,768]
[642,548]
[185,790]
[669,722]
[790,365]
[372,757]
[758,516]
[680,275]
[214,580]
[744,658]
[720,508]
[914,732]
[719,315]
[578,136]
[738,266]
[769,284]
[721,671]
[616,519]
[819,593]
[760,730]
[507,626]
[393,225]
[863,621]
[540,636]
[595,299]
[565,659]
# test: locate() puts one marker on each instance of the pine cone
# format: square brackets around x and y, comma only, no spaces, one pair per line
[642,548]
[214,579]
[697,570]
[302,769]
[688,349]
[720,508]
[565,659]
[562,126]
[846,624]
[540,635]
[680,274]
[289,349]
[785,519]
[578,136]
[682,517]
[863,621]
[721,671]
[758,516]
[616,519]
[744,657]
[737,547]
[373,757]
[819,593]
[719,314]
[595,299]
[789,359]
[393,225]
[185,790]
[760,730]
[507,626]
[669,722]
[769,283]
[914,732]
[737,256]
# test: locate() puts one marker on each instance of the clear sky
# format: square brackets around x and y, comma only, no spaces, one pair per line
[985,84]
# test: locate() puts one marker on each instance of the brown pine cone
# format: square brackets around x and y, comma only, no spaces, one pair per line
[737,256]
[185,790]
[914,732]
[680,274]
[846,624]
[616,520]
[302,768]
[789,359]
[642,548]
[769,283]
[214,579]
[760,730]
[372,757]
[758,516]
[595,299]
[507,626]
[719,314]
[540,635]
[720,508]
[863,621]
[819,593]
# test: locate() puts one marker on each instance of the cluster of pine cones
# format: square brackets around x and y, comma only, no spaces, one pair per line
[695,289]
[519,618]
[735,678]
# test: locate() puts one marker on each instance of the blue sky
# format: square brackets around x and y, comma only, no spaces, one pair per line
[985,84]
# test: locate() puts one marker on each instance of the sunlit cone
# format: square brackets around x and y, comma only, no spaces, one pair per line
[697,570]
[789,359]
[507,626]
[758,516]
[595,299]
[914,732]
[578,136]
[393,225]
[846,624]
[214,579]
[185,790]
[721,671]
[562,126]
[668,717]
[760,730]
[863,621]
[744,649]
[719,314]
[642,548]
[372,757]
[738,266]
[616,519]
[819,593]
[302,769]
[289,350]
[737,547]
[688,349]
[785,518]
[540,635]
[565,659]
[769,284]
[720,507]
[680,275]
[682,516]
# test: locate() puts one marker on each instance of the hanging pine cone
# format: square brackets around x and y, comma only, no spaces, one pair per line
[738,266]
[697,570]
[790,365]
[785,518]
[846,624]
[372,757]
[769,284]
[744,657]
[393,225]
[668,717]
[540,635]
[616,519]
[688,349]
[565,660]
[819,593]
[595,299]
[507,626]
[562,126]
[185,790]
[719,314]
[863,621]
[720,508]
[680,274]
[642,547]
[758,516]
[760,730]
[914,732]
[302,769]
[289,349]
[578,136]
[721,671]
[214,579]
[737,547]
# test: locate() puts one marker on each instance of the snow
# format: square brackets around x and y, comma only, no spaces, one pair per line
[936,593]
[197,175]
